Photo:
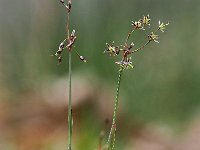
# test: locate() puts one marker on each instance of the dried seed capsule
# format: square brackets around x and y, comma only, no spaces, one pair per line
[83,59]
[69,4]
[62,45]
[59,59]
[59,51]
[73,33]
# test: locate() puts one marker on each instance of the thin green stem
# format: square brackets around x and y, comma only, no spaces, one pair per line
[113,127]
[129,35]
[70,121]
[142,47]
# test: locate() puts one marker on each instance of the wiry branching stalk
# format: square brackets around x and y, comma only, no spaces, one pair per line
[129,35]
[142,47]
[126,63]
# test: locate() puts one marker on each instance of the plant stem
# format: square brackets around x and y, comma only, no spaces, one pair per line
[70,106]
[129,35]
[113,127]
[140,48]
[70,119]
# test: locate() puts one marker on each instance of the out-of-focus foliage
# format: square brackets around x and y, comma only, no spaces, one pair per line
[165,82]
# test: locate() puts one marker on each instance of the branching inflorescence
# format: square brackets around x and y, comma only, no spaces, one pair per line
[68,45]
[126,49]
[125,63]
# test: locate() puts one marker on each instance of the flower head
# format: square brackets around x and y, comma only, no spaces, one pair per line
[153,37]
[162,26]
[146,20]
[112,50]
[141,23]
[138,25]
[125,64]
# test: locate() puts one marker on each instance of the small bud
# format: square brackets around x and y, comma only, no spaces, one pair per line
[113,42]
[59,51]
[59,59]
[56,54]
[62,46]
[73,33]
[83,59]
[62,1]
[131,46]
[117,50]
[69,4]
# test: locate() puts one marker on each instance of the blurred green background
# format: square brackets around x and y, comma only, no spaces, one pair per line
[162,89]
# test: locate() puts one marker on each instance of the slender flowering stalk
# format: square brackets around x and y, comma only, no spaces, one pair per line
[113,127]
[68,44]
[142,47]
[126,63]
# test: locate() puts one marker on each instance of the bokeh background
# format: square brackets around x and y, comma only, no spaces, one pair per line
[159,99]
